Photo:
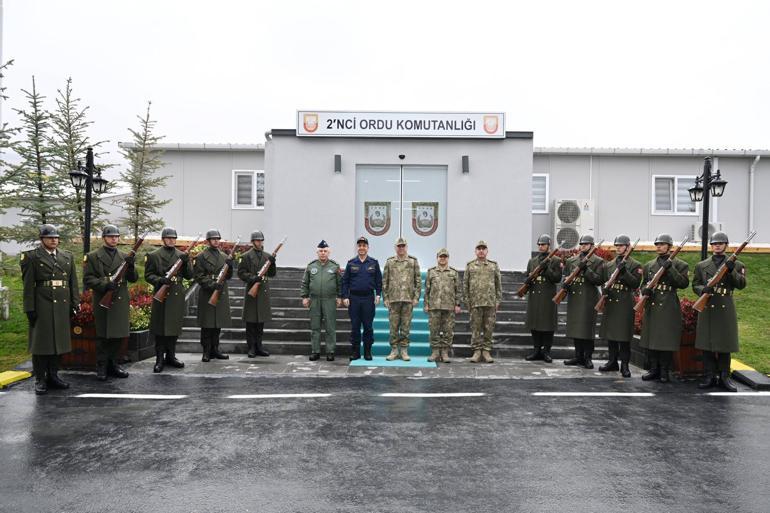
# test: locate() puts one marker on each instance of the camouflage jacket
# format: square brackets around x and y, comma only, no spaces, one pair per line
[482,283]
[443,288]
[401,279]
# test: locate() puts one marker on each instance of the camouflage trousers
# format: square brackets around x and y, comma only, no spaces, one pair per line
[442,328]
[400,319]
[482,325]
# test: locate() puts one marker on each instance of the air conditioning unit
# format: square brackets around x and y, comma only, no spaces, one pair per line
[572,218]
[696,231]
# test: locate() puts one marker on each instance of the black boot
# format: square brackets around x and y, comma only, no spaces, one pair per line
[259,351]
[588,363]
[41,388]
[709,380]
[171,358]
[329,357]
[216,353]
[665,375]
[727,383]
[206,344]
[355,353]
[54,381]
[653,373]
[610,366]
[159,357]
[624,370]
[537,354]
[547,355]
[578,359]
[574,361]
[612,357]
[588,351]
[367,351]
[314,356]
[251,349]
[113,369]
[101,370]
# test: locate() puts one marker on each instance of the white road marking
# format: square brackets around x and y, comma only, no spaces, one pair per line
[130,396]
[455,394]
[593,394]
[729,394]
[276,396]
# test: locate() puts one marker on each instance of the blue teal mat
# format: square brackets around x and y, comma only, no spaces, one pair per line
[380,361]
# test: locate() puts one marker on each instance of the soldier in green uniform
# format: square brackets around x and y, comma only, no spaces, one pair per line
[717,331]
[618,320]
[322,294]
[112,325]
[401,287]
[582,297]
[212,319]
[483,292]
[662,322]
[50,297]
[167,317]
[443,295]
[256,311]
[541,310]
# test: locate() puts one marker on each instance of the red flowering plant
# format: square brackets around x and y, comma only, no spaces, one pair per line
[85,315]
[689,317]
[140,303]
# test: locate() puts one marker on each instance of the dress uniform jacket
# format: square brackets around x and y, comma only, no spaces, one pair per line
[256,309]
[167,317]
[582,298]
[718,324]
[662,323]
[51,291]
[541,310]
[618,317]
[207,265]
[101,266]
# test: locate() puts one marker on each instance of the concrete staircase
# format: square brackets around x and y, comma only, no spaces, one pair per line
[289,331]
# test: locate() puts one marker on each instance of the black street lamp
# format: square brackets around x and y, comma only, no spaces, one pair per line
[706,185]
[83,177]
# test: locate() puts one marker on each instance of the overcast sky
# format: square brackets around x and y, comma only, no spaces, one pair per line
[632,74]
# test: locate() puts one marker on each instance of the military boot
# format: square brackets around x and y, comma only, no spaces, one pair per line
[113,369]
[216,353]
[726,382]
[405,353]
[355,352]
[393,353]
[159,357]
[652,374]
[54,381]
[624,370]
[435,355]
[329,357]
[445,356]
[41,388]
[709,380]
[251,349]
[537,354]
[476,358]
[259,350]
[367,351]
[171,358]
[547,355]
[577,359]
[206,356]
[665,375]
[101,370]
[610,366]
[314,356]
[487,357]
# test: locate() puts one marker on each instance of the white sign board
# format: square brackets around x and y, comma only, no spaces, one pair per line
[482,125]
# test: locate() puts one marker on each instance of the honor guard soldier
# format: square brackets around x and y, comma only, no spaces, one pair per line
[583,295]
[322,294]
[167,317]
[112,324]
[443,295]
[50,297]
[618,321]
[212,319]
[662,322]
[361,291]
[717,331]
[483,291]
[401,287]
[541,310]
[256,310]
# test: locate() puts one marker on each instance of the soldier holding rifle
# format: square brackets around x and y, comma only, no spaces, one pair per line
[256,310]
[717,332]
[543,274]
[102,269]
[207,269]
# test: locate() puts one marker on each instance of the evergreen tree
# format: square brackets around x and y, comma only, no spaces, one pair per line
[69,142]
[7,171]
[144,161]
[37,189]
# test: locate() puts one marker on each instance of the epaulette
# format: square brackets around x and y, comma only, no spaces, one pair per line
[334,262]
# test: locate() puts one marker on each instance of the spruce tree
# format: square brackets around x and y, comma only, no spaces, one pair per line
[7,172]
[141,176]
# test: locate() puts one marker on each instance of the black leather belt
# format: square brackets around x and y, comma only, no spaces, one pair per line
[50,283]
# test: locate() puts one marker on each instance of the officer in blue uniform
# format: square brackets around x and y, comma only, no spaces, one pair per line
[361,291]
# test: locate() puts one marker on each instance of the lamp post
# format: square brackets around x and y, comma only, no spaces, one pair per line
[83,177]
[706,185]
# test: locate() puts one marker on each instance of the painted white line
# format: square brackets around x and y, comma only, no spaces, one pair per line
[593,394]
[455,394]
[276,396]
[729,394]
[130,396]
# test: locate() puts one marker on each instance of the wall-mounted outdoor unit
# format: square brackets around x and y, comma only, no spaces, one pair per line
[572,218]
[696,231]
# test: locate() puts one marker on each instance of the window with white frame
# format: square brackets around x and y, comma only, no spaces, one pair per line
[670,195]
[539,193]
[248,188]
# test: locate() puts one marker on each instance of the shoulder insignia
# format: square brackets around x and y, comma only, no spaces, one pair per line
[85,258]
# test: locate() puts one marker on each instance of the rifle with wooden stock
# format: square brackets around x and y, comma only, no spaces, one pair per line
[106,301]
[162,292]
[613,279]
[254,290]
[559,297]
[222,276]
[703,300]
[537,271]
[639,307]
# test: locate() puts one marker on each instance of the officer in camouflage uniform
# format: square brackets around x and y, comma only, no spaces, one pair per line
[483,292]
[50,297]
[618,319]
[112,325]
[166,319]
[582,297]
[662,322]
[322,293]
[717,332]
[401,287]
[443,294]
[541,310]
[256,311]
[212,319]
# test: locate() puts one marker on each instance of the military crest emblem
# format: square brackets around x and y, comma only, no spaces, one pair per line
[377,217]
[491,124]
[425,217]
[310,122]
